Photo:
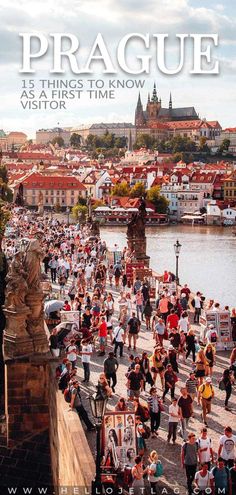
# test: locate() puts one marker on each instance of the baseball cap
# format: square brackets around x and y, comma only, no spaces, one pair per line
[208,380]
[211,326]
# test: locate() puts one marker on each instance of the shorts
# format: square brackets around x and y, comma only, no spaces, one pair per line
[200,373]
[102,340]
[96,313]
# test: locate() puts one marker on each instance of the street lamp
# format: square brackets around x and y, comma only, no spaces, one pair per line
[68,215]
[98,407]
[177,247]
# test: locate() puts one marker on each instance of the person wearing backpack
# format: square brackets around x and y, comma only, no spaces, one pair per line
[211,335]
[155,471]
[76,403]
[189,453]
[221,481]
[205,396]
[225,384]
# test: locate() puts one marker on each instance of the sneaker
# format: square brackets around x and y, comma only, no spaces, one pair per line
[205,423]
[156,433]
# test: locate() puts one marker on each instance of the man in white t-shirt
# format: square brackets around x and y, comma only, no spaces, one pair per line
[205,452]
[204,479]
[86,352]
[173,420]
[118,335]
[197,306]
[227,447]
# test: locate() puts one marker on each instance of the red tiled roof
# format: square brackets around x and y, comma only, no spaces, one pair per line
[25,155]
[38,181]
[203,178]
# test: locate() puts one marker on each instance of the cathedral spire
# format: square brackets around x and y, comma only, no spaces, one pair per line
[139,104]
[154,94]
[148,97]
[170,102]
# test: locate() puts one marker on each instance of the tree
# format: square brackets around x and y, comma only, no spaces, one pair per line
[5,191]
[121,189]
[137,191]
[79,212]
[4,217]
[203,144]
[224,145]
[59,141]
[75,140]
[144,141]
[159,201]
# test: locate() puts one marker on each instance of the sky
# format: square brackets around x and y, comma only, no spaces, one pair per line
[213,96]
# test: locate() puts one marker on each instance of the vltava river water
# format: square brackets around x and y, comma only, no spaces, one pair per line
[207,259]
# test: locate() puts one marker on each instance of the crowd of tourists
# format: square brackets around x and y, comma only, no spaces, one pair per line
[111,312]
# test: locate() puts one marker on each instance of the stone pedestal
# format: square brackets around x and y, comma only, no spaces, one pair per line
[16,340]
[138,247]
[26,401]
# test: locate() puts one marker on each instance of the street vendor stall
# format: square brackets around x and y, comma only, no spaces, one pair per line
[220,322]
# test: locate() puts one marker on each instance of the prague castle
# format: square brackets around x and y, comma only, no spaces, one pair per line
[164,123]
[156,113]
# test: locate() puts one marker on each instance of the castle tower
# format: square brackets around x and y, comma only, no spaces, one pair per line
[139,115]
[153,106]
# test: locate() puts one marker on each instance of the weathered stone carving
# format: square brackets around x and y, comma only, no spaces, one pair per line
[136,237]
[16,285]
[25,332]
[32,261]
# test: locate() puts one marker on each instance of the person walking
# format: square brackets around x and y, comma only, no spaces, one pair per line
[204,480]
[139,304]
[159,331]
[205,396]
[225,383]
[190,344]
[185,404]
[205,450]
[147,311]
[111,366]
[173,421]
[192,385]
[201,366]
[133,329]
[221,478]
[155,407]
[189,460]
[118,339]
[227,447]
[197,307]
[154,472]
[135,382]
[138,472]
[86,353]
[170,380]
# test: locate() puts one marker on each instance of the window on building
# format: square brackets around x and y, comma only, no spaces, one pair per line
[72,193]
[58,193]
[63,201]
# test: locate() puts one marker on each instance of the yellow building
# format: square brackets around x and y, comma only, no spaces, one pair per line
[230,187]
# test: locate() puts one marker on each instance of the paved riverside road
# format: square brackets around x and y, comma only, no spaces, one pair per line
[174,476]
